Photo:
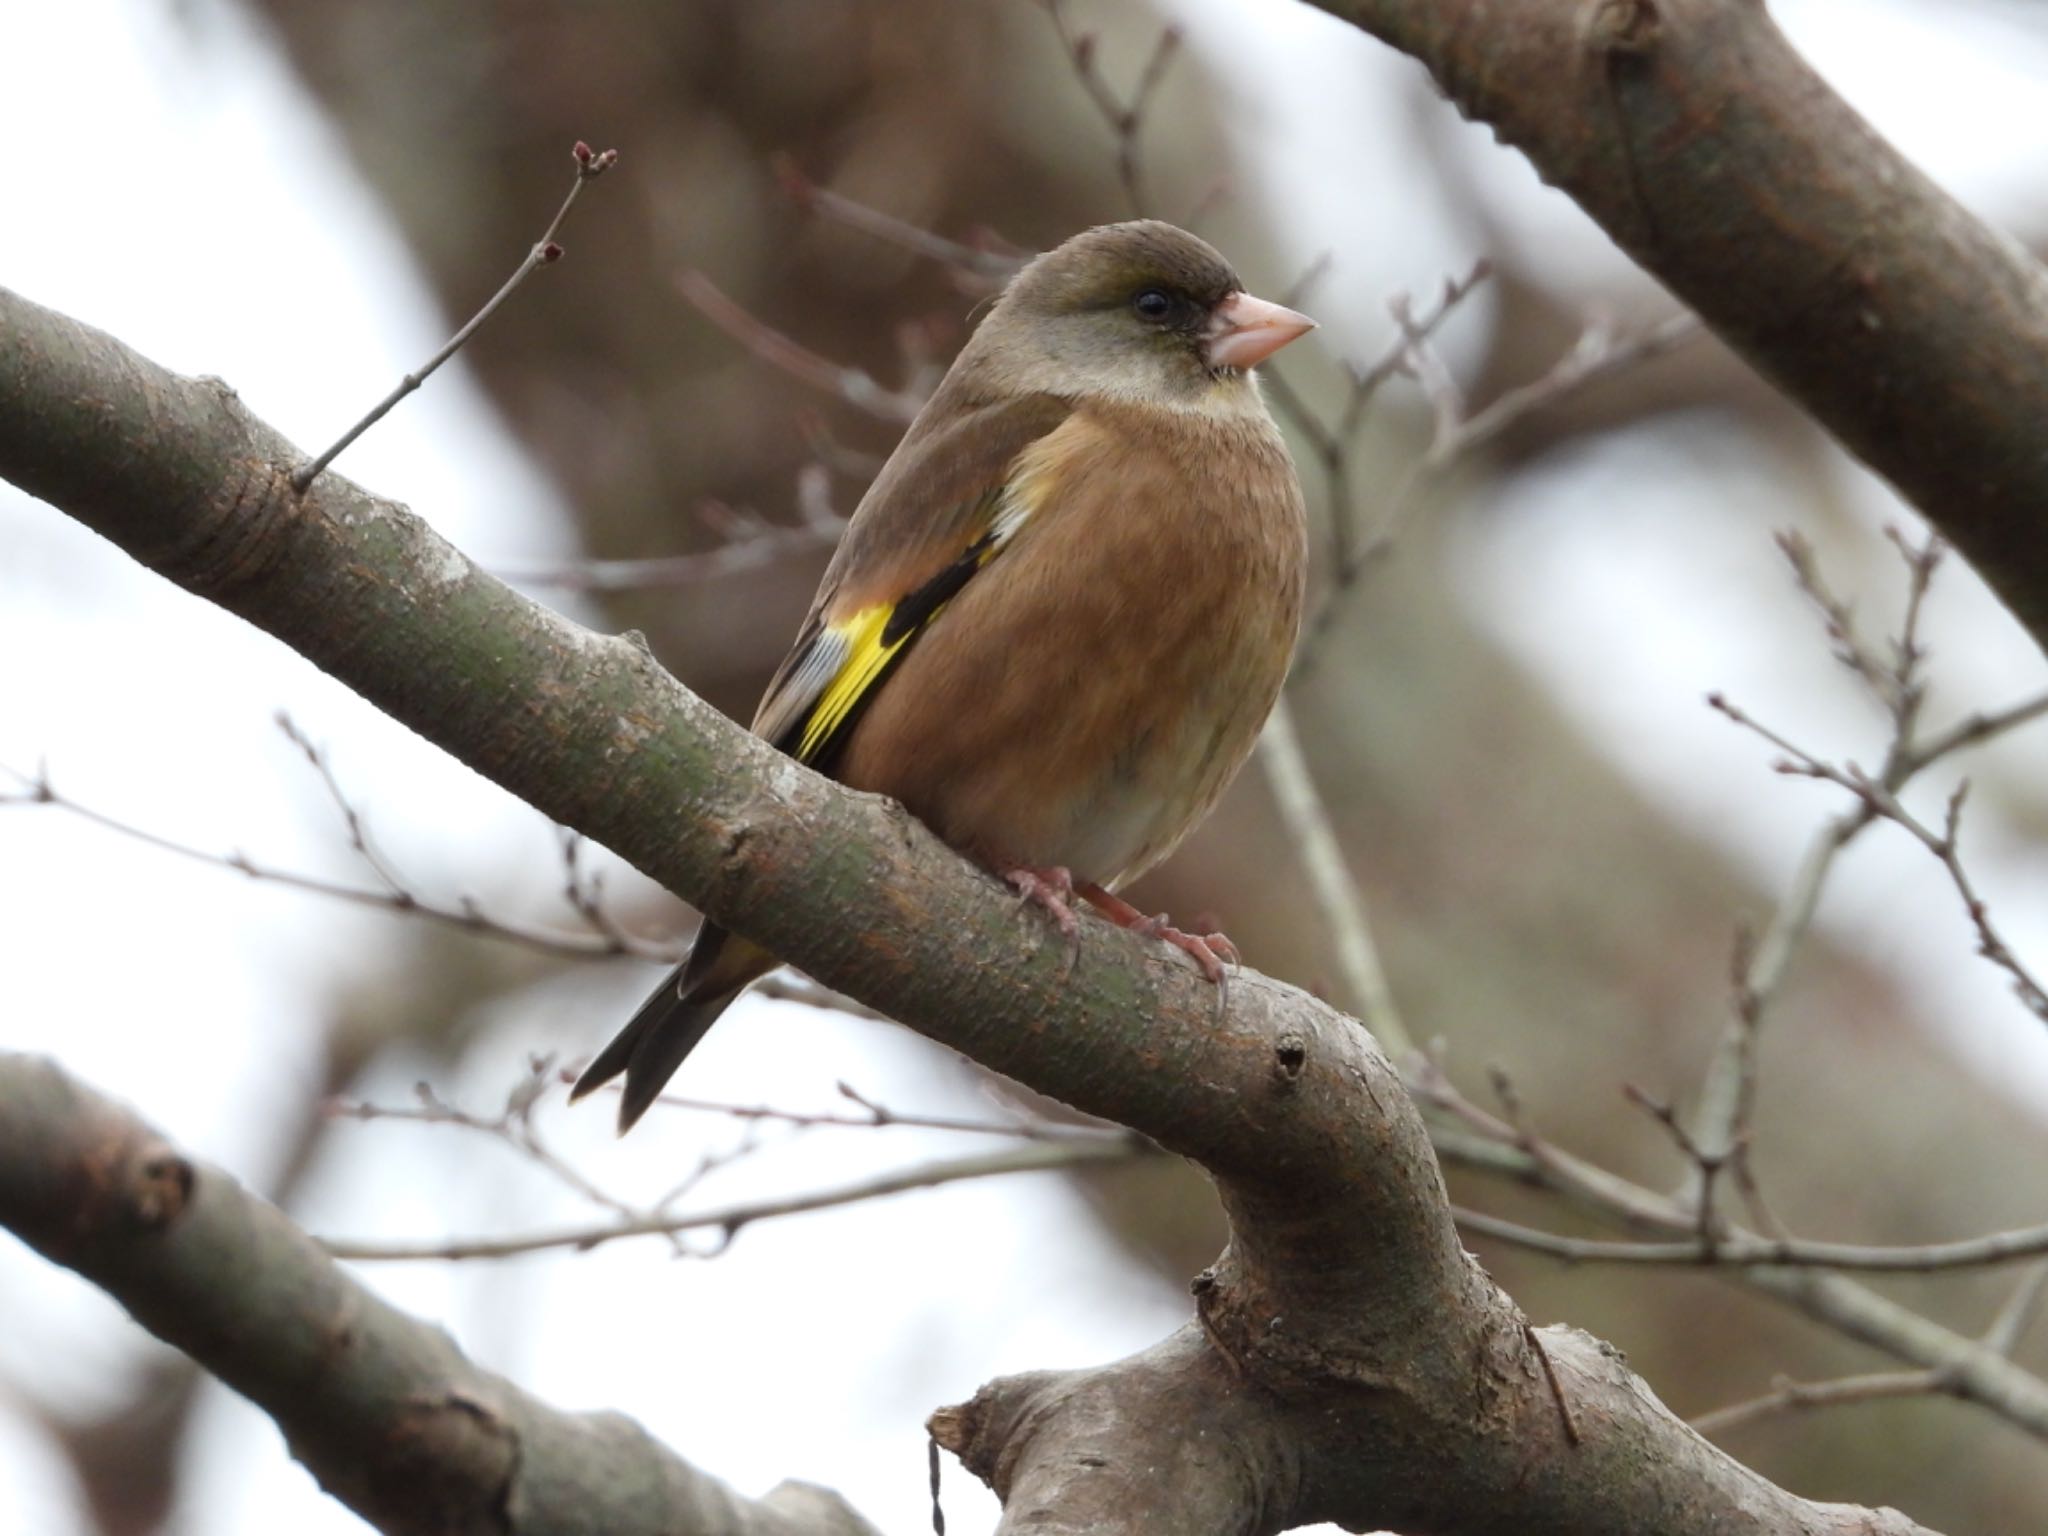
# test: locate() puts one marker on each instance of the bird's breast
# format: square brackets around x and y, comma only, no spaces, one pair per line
[1084,700]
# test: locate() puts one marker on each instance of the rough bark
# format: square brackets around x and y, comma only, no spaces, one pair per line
[1700,140]
[1351,1362]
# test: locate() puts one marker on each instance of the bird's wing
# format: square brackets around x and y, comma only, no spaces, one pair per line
[945,505]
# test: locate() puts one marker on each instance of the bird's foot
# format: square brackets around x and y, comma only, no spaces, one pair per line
[1052,890]
[1208,950]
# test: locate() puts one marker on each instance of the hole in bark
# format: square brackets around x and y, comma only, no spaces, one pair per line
[163,1190]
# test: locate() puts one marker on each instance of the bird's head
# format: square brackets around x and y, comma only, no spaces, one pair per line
[1142,311]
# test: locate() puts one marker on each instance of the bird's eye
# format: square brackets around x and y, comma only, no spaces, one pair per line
[1153,304]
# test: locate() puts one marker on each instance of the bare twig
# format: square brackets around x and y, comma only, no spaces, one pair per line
[2001,1337]
[1708,1164]
[590,164]
[874,1116]
[1125,115]
[353,821]
[1788,1394]
[1333,442]
[2018,1313]
[1721,1119]
[1837,616]
[727,1221]
[1599,353]
[772,543]
[1726,1249]
[1531,1157]
[985,269]
[1980,1375]
[513,1125]
[1336,893]
[1944,844]
[1974,730]
[1894,678]
[464,912]
[583,889]
[855,386]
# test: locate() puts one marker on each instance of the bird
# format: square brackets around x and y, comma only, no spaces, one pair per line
[1058,618]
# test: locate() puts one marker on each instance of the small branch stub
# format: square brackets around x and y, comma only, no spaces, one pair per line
[1626,27]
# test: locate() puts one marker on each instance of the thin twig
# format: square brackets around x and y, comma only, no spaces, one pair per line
[583,890]
[1599,353]
[513,1125]
[988,269]
[1532,1157]
[590,164]
[1788,1394]
[1974,730]
[1742,1252]
[1125,115]
[1944,845]
[1336,893]
[1721,1117]
[464,913]
[2017,1315]
[1333,442]
[2002,1337]
[875,1116]
[353,821]
[1979,1375]
[855,386]
[728,1220]
[1837,616]
[1708,1164]
[1564,1407]
[774,543]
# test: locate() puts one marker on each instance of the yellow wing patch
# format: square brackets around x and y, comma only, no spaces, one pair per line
[846,660]
[865,658]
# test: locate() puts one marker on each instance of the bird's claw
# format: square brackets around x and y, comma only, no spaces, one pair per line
[1209,950]
[1053,891]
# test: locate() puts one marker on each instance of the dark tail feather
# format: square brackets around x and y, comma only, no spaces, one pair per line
[671,1022]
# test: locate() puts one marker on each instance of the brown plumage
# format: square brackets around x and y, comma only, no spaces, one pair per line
[1061,614]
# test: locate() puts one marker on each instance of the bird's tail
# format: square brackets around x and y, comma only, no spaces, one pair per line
[671,1022]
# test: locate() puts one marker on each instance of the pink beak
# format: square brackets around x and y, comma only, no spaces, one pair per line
[1245,331]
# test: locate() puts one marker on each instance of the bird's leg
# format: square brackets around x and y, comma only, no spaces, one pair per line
[1209,950]
[1052,889]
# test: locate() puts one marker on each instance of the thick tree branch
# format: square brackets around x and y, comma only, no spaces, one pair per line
[381,1407]
[1386,1380]
[1701,141]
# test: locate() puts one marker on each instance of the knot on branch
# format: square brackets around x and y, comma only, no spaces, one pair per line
[1624,27]
[1171,1432]
[111,1184]
[161,1190]
[235,536]
[990,1424]
[1290,1055]
[453,1464]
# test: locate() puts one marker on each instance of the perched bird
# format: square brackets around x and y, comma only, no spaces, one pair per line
[1060,615]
